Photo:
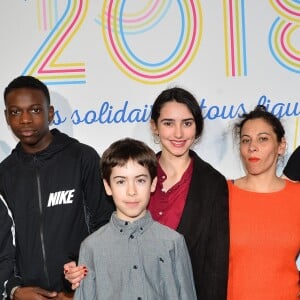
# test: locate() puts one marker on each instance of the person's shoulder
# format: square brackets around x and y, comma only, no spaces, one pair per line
[292,185]
[297,150]
[164,232]
[203,166]
[8,163]
[82,146]
[64,140]
[97,236]
[83,150]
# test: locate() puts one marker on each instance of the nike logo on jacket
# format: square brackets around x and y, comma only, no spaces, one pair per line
[61,197]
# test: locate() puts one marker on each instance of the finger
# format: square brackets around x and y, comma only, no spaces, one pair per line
[76,274]
[73,269]
[75,285]
[69,266]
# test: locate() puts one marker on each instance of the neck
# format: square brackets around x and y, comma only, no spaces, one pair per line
[261,183]
[174,164]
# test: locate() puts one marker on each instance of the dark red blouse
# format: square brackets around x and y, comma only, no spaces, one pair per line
[167,207]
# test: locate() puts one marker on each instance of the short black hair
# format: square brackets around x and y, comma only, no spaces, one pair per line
[123,150]
[27,82]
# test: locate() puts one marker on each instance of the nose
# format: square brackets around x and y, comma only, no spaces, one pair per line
[178,131]
[252,146]
[25,117]
[131,190]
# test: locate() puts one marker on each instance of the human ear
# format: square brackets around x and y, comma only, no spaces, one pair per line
[153,185]
[50,114]
[153,127]
[107,188]
[282,146]
[6,117]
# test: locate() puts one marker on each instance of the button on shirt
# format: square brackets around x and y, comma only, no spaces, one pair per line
[167,207]
[138,260]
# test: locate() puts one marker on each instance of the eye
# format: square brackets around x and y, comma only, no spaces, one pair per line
[120,181]
[262,139]
[245,141]
[36,110]
[14,112]
[167,123]
[141,180]
[188,123]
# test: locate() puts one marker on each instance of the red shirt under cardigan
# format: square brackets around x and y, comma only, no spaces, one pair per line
[166,207]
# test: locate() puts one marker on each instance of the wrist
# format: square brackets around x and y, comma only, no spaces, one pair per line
[12,292]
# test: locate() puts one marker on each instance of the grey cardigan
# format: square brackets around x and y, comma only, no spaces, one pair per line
[138,260]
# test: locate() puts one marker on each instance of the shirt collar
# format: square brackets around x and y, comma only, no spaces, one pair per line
[137,227]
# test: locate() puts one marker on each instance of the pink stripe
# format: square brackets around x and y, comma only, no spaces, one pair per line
[44,12]
[142,17]
[163,74]
[287,9]
[282,41]
[45,71]
[60,41]
[231,38]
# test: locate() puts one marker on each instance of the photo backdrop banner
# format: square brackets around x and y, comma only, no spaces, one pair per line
[106,61]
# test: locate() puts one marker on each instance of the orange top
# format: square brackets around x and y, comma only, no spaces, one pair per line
[264,244]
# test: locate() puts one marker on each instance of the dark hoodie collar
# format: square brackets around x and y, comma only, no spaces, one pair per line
[59,142]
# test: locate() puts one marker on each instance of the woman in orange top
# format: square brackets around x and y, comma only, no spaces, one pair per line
[264,216]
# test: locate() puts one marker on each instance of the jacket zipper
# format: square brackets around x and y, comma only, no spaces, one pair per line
[41,224]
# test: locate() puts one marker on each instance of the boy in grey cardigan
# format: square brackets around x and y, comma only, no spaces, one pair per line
[133,257]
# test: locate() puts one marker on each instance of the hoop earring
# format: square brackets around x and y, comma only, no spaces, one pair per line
[156,138]
[280,161]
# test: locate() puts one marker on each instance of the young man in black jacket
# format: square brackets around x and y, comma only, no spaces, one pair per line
[52,186]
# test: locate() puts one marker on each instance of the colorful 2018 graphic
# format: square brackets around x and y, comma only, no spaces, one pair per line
[282,32]
[118,27]
[123,28]
[235,38]
[45,62]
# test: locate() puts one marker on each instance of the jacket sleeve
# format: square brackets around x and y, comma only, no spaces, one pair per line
[184,272]
[292,168]
[98,206]
[217,252]
[7,245]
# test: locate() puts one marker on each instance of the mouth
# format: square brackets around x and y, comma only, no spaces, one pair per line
[132,204]
[178,143]
[253,159]
[27,132]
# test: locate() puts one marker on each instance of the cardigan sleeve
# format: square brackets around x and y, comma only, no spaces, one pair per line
[217,252]
[205,226]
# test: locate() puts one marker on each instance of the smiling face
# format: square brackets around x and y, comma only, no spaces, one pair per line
[28,115]
[130,186]
[176,129]
[259,147]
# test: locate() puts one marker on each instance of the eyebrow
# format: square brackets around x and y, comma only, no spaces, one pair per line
[167,119]
[267,133]
[140,175]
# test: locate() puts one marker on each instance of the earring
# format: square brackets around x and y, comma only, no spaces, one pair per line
[280,161]
[156,138]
